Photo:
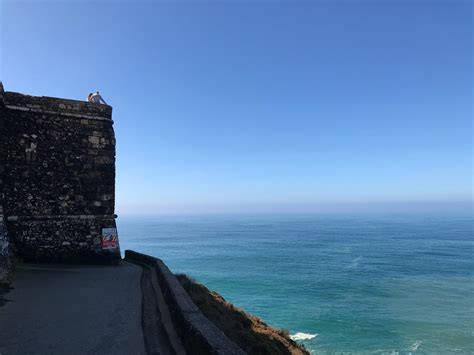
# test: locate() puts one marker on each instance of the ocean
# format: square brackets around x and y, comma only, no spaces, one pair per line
[375,284]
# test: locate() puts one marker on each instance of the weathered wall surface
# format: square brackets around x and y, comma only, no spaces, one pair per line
[2,150]
[6,262]
[58,178]
[198,334]
[5,256]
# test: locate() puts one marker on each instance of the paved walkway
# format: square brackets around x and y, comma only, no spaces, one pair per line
[64,309]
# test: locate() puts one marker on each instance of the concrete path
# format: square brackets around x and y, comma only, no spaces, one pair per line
[63,309]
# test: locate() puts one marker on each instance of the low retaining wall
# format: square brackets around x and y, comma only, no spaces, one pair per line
[198,334]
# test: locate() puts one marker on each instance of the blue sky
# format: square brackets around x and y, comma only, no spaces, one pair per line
[262,105]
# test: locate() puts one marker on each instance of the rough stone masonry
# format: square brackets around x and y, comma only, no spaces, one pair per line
[57,180]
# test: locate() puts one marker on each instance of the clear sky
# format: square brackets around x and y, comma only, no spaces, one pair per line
[262,105]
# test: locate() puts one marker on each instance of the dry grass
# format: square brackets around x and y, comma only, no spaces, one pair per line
[249,332]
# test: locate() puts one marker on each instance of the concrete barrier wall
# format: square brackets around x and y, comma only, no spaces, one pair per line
[198,334]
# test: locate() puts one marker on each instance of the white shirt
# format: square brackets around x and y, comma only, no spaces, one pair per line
[96,98]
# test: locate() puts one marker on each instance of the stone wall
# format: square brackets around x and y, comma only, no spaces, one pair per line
[2,151]
[58,181]
[5,256]
[6,262]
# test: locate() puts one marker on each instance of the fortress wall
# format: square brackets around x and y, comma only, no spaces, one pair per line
[5,256]
[2,151]
[59,178]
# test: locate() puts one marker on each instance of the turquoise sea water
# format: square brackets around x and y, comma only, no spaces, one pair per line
[348,284]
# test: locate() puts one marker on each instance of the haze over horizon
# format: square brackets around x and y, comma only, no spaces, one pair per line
[268,106]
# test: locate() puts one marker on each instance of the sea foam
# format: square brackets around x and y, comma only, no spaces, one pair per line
[303,336]
[416,345]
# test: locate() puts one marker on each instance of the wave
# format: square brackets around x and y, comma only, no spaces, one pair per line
[416,345]
[354,263]
[303,336]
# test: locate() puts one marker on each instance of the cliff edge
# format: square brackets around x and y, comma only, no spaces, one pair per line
[249,332]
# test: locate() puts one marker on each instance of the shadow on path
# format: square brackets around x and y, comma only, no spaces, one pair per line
[80,309]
